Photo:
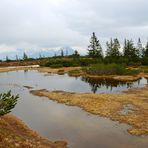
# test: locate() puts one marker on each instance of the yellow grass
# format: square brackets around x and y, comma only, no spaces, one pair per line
[14,133]
[109,105]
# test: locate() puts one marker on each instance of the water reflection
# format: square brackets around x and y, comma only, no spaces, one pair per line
[109,84]
[60,122]
[38,80]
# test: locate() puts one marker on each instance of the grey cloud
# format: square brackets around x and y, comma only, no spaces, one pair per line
[53,23]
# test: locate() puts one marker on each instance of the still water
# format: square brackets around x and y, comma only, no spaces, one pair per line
[60,122]
[37,80]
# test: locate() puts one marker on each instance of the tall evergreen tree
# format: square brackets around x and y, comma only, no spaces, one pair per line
[116,48]
[130,51]
[113,48]
[109,48]
[76,53]
[62,53]
[7,59]
[95,49]
[139,49]
[25,57]
[145,53]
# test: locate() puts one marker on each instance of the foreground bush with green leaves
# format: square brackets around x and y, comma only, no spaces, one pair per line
[110,69]
[7,102]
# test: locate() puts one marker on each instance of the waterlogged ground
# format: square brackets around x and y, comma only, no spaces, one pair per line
[60,122]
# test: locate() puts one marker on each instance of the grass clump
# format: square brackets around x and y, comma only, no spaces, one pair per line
[110,69]
[75,72]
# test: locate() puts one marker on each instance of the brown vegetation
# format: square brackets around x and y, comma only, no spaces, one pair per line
[13,133]
[109,105]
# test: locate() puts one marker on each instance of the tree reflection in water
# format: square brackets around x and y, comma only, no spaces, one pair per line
[108,83]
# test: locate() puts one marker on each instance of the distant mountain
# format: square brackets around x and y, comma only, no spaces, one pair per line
[66,50]
[37,53]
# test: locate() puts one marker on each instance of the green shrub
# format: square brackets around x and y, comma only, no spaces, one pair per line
[57,63]
[7,102]
[110,69]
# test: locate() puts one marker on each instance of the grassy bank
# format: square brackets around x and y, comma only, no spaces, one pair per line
[110,69]
[14,133]
[109,105]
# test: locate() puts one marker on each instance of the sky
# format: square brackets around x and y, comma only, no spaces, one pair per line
[50,24]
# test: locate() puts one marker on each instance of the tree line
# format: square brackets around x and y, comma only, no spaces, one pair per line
[128,54]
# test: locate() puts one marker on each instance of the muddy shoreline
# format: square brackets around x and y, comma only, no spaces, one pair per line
[14,133]
[64,70]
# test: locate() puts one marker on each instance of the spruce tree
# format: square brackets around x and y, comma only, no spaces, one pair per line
[139,49]
[113,48]
[76,54]
[146,50]
[125,49]
[25,57]
[109,48]
[7,59]
[116,48]
[62,53]
[95,49]
[7,102]
[130,51]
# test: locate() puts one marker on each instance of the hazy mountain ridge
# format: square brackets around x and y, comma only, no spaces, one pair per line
[67,50]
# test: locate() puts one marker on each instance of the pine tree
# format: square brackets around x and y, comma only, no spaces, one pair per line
[130,51]
[95,49]
[125,49]
[116,48]
[113,48]
[76,54]
[109,48]
[139,49]
[145,53]
[62,53]
[7,59]
[25,57]
[7,102]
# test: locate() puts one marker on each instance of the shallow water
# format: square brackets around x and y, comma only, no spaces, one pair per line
[37,80]
[60,122]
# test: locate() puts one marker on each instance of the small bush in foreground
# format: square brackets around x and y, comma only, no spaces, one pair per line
[7,102]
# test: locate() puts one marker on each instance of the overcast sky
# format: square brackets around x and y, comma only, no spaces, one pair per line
[46,24]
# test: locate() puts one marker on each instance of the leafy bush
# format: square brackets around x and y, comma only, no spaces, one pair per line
[7,102]
[110,69]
